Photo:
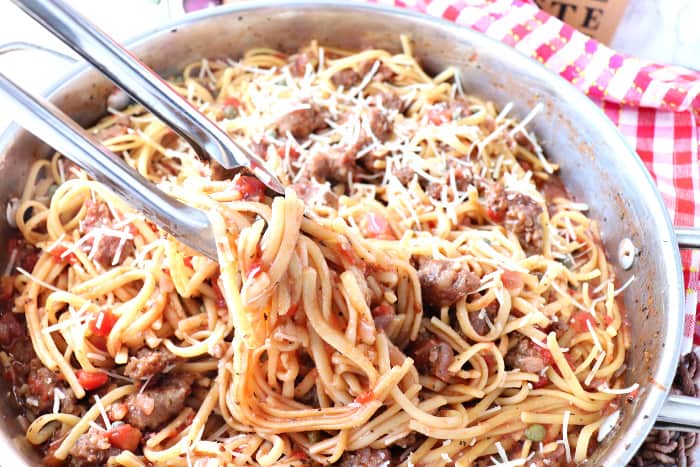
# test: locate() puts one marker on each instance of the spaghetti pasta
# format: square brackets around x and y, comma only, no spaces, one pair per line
[425,292]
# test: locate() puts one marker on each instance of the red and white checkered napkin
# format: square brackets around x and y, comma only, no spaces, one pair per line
[655,106]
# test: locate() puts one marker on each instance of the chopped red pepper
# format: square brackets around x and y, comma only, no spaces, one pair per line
[58,251]
[250,188]
[365,397]
[376,226]
[496,216]
[438,116]
[125,437]
[90,380]
[188,262]
[232,101]
[512,280]
[542,382]
[102,323]
[579,320]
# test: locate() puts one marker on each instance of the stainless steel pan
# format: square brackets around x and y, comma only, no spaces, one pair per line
[597,166]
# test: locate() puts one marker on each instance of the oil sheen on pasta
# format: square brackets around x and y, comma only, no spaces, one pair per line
[425,293]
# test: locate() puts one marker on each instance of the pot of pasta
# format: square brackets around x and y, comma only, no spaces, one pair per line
[468,267]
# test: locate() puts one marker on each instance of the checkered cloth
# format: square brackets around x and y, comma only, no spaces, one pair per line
[655,106]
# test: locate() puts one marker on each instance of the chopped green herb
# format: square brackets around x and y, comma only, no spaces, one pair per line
[230,111]
[271,134]
[314,436]
[535,432]
[567,261]
[52,190]
[457,114]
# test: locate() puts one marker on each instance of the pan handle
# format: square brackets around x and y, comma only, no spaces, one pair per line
[681,413]
[688,237]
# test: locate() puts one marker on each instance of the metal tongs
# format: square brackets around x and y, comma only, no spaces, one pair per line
[189,225]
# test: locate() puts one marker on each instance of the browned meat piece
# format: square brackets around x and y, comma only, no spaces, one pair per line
[523,141]
[384,73]
[559,327]
[389,99]
[432,357]
[365,457]
[314,193]
[218,172]
[434,190]
[527,356]
[155,406]
[301,122]
[96,215]
[11,329]
[346,78]
[380,125]
[107,248]
[496,202]
[298,62]
[92,449]
[149,362]
[444,282]
[404,174]
[522,218]
[479,323]
[333,166]
[41,382]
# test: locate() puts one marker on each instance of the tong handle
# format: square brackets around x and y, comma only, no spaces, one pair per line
[129,73]
[189,225]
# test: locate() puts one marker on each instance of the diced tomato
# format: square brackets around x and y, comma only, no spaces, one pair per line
[495,216]
[607,320]
[293,310]
[133,230]
[542,382]
[365,397]
[102,323]
[383,309]
[298,455]
[512,280]
[579,320]
[232,101]
[58,251]
[546,356]
[188,262]
[250,188]
[125,437]
[490,360]
[90,380]
[376,226]
[219,295]
[438,116]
